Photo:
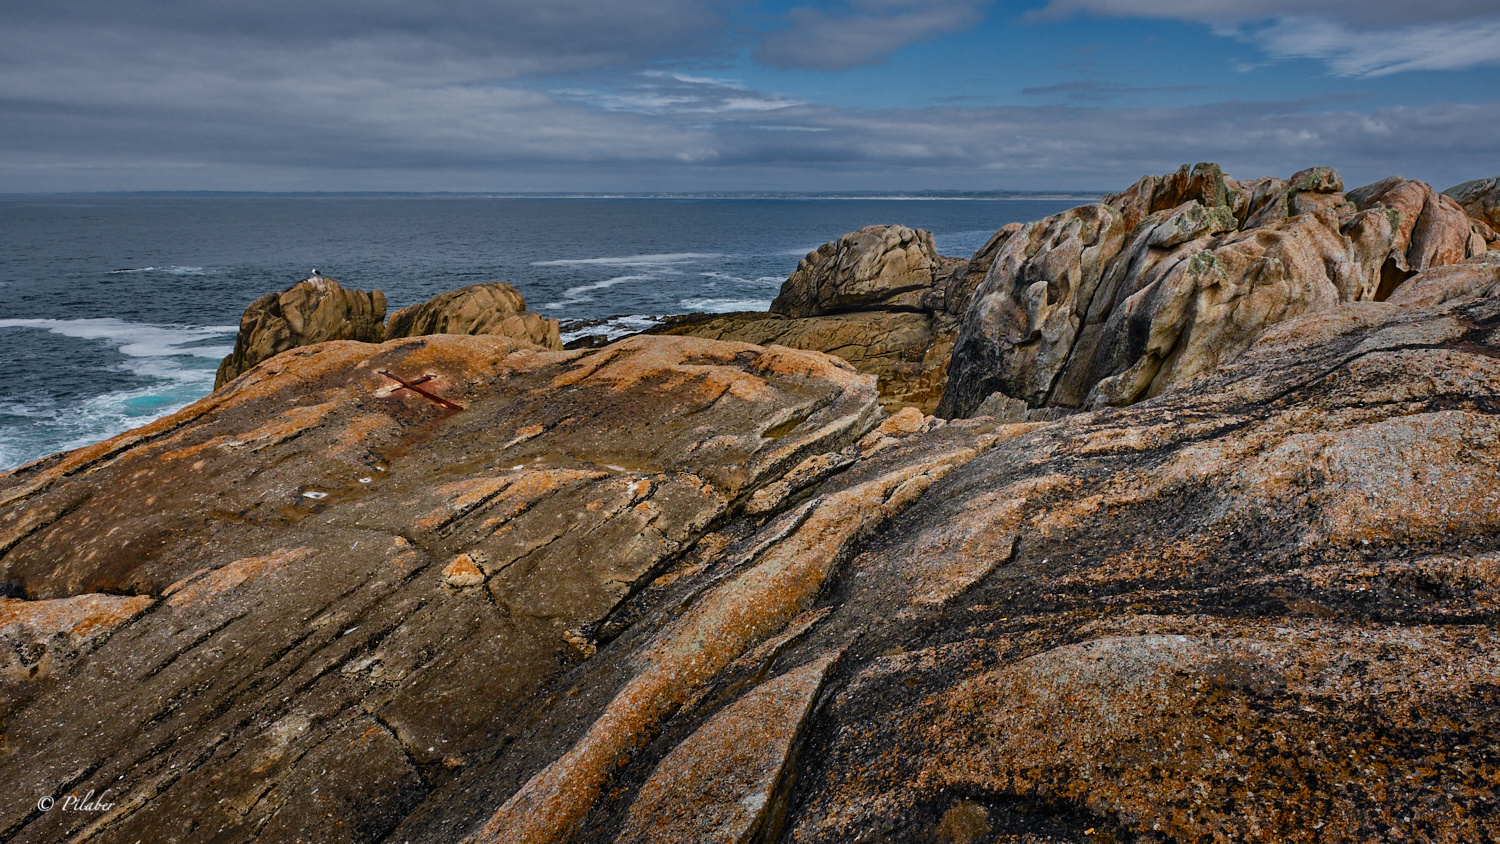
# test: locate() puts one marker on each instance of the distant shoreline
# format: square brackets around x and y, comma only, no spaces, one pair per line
[987,196]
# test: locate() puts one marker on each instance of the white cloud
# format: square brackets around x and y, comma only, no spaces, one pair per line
[863,33]
[1353,37]
[1440,46]
[658,92]
[1359,14]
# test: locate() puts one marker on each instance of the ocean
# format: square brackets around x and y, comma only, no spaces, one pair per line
[115,309]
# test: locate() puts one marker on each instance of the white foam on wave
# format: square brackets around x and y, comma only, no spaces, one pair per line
[167,270]
[574,295]
[664,259]
[612,328]
[759,281]
[724,306]
[136,340]
[180,373]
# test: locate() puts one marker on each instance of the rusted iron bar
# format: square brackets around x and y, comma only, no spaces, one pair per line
[412,385]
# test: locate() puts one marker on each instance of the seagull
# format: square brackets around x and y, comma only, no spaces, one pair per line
[317,274]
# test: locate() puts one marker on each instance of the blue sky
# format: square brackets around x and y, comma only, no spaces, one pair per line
[717,95]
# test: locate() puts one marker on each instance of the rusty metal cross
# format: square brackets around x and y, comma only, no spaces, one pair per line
[413,386]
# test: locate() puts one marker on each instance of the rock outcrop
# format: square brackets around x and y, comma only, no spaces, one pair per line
[313,310]
[877,298]
[679,589]
[327,574]
[1119,301]
[877,267]
[493,308]
[1481,199]
[317,309]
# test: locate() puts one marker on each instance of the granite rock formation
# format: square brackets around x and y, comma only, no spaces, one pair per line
[313,310]
[493,308]
[1111,303]
[680,589]
[1481,199]
[877,298]
[318,309]
[877,267]
[311,572]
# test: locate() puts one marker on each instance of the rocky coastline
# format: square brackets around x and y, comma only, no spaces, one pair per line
[1171,518]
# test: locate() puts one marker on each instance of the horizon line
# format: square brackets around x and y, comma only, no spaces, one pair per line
[868,195]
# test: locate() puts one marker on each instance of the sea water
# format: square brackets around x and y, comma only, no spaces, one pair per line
[115,309]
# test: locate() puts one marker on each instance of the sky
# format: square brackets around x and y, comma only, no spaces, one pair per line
[645,96]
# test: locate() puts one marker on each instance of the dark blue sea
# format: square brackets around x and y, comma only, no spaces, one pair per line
[114,310]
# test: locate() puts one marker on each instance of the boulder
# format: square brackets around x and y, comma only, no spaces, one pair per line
[1480,198]
[898,347]
[1431,230]
[877,267]
[311,311]
[493,308]
[880,298]
[1121,301]
[1478,277]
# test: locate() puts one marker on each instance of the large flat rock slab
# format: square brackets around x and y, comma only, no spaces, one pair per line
[319,569]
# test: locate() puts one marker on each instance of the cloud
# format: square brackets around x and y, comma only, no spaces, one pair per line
[337,132]
[1359,14]
[511,37]
[863,33]
[661,92]
[1439,46]
[201,96]
[1354,37]
[1102,91]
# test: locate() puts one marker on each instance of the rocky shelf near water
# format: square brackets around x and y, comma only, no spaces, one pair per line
[1202,544]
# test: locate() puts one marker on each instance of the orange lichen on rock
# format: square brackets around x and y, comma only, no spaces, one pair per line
[719,785]
[210,585]
[717,629]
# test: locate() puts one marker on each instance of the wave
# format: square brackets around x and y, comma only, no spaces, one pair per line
[40,430]
[724,306]
[178,364]
[167,270]
[574,295]
[759,281]
[634,260]
[137,340]
[611,328]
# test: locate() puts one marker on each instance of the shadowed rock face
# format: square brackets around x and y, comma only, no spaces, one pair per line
[493,308]
[311,311]
[692,590]
[1115,302]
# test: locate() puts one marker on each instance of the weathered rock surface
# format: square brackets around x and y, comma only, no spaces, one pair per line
[1480,198]
[311,311]
[316,310]
[493,308]
[692,590]
[898,347]
[1116,302]
[886,267]
[880,298]
[341,577]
